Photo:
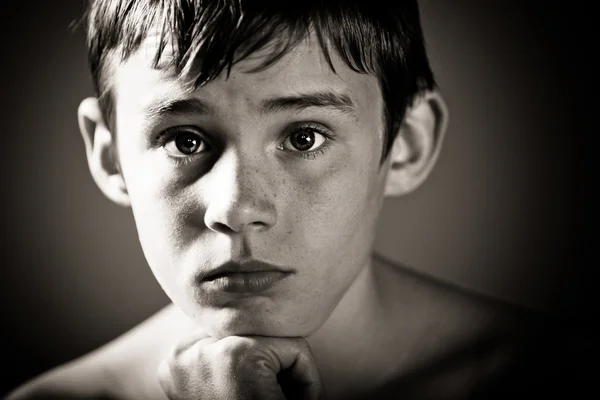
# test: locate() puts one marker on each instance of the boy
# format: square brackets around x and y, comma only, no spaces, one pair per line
[255,144]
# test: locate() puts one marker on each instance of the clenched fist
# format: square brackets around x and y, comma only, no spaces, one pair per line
[240,367]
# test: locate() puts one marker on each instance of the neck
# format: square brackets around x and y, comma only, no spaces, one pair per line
[350,347]
[391,325]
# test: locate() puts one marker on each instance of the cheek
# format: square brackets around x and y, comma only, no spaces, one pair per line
[154,206]
[334,217]
[166,237]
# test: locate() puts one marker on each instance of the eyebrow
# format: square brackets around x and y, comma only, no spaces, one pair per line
[178,107]
[338,101]
[323,99]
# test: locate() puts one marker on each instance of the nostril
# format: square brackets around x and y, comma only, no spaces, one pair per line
[259,225]
[221,227]
[231,228]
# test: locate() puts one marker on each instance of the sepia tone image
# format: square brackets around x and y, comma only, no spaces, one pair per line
[336,200]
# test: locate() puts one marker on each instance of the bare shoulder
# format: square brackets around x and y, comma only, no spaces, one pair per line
[446,303]
[124,368]
[465,339]
[488,348]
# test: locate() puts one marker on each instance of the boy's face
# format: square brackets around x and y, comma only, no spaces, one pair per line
[239,175]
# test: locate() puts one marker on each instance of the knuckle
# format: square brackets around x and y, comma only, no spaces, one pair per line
[241,356]
[260,365]
[233,347]
[165,378]
[164,370]
[302,345]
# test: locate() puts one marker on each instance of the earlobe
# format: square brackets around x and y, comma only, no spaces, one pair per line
[99,148]
[417,145]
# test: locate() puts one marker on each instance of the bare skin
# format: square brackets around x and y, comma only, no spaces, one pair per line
[236,188]
[437,322]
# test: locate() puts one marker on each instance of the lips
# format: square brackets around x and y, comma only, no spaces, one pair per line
[249,277]
[231,268]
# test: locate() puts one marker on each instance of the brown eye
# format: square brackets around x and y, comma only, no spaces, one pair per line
[185,143]
[303,140]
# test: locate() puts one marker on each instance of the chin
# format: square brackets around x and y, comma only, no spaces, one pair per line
[235,322]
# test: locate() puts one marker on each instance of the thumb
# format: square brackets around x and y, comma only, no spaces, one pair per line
[295,367]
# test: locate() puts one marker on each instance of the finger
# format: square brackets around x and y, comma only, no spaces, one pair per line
[176,370]
[188,341]
[293,356]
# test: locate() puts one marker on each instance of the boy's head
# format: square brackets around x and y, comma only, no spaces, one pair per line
[247,130]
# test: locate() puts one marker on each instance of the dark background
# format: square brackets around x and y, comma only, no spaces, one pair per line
[503,213]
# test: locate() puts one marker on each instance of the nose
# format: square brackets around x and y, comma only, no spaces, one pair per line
[238,198]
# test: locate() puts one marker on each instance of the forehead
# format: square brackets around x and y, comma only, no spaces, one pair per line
[303,69]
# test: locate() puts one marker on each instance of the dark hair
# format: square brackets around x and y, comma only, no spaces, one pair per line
[384,39]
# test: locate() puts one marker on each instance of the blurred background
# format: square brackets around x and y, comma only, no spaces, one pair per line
[502,213]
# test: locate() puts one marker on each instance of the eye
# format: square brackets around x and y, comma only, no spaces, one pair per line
[304,139]
[184,142]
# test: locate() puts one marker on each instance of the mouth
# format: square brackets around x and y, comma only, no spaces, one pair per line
[250,277]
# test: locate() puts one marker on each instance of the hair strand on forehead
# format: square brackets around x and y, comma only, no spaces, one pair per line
[207,37]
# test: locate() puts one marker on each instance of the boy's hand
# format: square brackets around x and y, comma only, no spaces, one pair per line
[237,367]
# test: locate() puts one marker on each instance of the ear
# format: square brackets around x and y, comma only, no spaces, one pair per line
[418,144]
[99,148]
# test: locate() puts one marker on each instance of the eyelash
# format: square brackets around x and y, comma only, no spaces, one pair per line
[315,128]
[170,133]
